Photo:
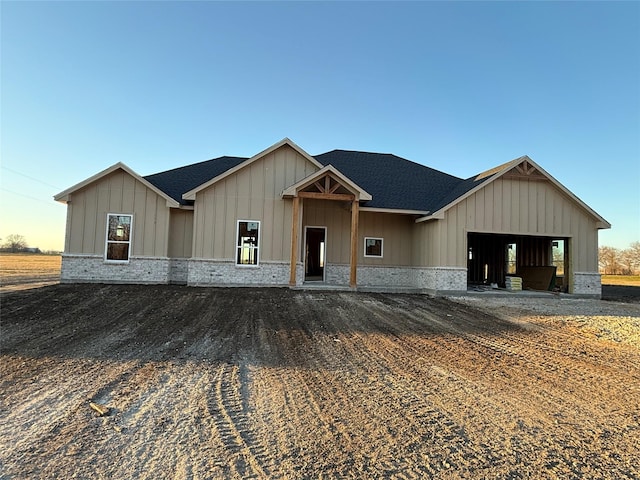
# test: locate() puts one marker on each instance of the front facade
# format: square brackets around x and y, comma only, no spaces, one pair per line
[353,219]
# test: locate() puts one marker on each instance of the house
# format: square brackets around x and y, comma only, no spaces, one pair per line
[343,218]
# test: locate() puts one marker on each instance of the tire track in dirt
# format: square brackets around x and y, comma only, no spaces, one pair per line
[470,388]
[251,383]
[534,355]
[228,409]
[347,407]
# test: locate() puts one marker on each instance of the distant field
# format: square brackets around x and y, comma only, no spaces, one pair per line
[27,270]
[631,280]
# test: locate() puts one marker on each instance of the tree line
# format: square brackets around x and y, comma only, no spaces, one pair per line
[616,261]
[15,243]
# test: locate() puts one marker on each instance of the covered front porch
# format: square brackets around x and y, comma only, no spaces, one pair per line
[338,198]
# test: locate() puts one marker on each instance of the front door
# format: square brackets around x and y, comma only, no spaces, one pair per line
[315,253]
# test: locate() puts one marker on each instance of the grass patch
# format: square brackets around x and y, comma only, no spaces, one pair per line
[25,266]
[631,280]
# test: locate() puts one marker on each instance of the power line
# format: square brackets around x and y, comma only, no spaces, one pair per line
[29,177]
[26,196]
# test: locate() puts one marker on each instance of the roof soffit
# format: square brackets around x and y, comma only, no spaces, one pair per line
[191,195]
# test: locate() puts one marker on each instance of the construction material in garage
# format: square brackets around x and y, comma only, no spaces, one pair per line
[538,278]
[513,283]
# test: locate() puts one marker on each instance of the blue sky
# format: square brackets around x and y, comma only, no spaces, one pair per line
[460,87]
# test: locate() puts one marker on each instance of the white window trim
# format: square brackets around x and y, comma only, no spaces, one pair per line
[381,247]
[107,241]
[257,247]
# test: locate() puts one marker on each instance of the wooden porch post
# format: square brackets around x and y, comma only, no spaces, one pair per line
[294,241]
[355,210]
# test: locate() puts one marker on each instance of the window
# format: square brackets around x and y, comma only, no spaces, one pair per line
[247,244]
[373,247]
[557,256]
[512,256]
[118,237]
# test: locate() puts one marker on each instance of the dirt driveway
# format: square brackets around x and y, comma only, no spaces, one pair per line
[274,383]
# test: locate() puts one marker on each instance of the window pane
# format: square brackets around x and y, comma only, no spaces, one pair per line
[247,233]
[373,247]
[247,247]
[247,256]
[117,251]
[119,228]
[512,256]
[557,254]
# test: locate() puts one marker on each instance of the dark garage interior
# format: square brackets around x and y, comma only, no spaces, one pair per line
[540,261]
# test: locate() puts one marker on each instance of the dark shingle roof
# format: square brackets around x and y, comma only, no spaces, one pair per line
[459,190]
[392,181]
[179,181]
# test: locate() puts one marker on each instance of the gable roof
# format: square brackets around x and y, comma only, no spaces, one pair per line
[191,194]
[64,195]
[347,183]
[471,185]
[384,182]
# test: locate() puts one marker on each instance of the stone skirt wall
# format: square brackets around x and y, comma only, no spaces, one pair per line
[588,284]
[94,269]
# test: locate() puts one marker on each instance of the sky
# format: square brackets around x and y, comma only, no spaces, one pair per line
[458,86]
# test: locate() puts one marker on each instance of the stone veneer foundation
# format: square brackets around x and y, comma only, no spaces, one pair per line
[205,272]
[94,269]
[434,280]
[587,284]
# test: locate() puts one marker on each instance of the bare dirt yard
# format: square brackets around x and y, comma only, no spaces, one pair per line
[274,383]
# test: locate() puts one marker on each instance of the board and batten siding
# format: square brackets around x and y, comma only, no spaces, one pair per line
[251,193]
[117,192]
[180,233]
[337,219]
[510,206]
[396,230]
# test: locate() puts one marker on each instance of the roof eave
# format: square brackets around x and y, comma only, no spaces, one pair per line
[400,211]
[191,194]
[439,215]
[63,196]
[499,172]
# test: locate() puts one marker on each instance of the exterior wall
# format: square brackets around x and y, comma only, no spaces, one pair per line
[435,280]
[587,284]
[178,270]
[337,219]
[397,232]
[180,233]
[93,269]
[372,276]
[395,229]
[252,193]
[426,245]
[516,206]
[447,280]
[118,192]
[211,272]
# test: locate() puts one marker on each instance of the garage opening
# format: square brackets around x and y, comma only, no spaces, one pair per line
[542,262]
